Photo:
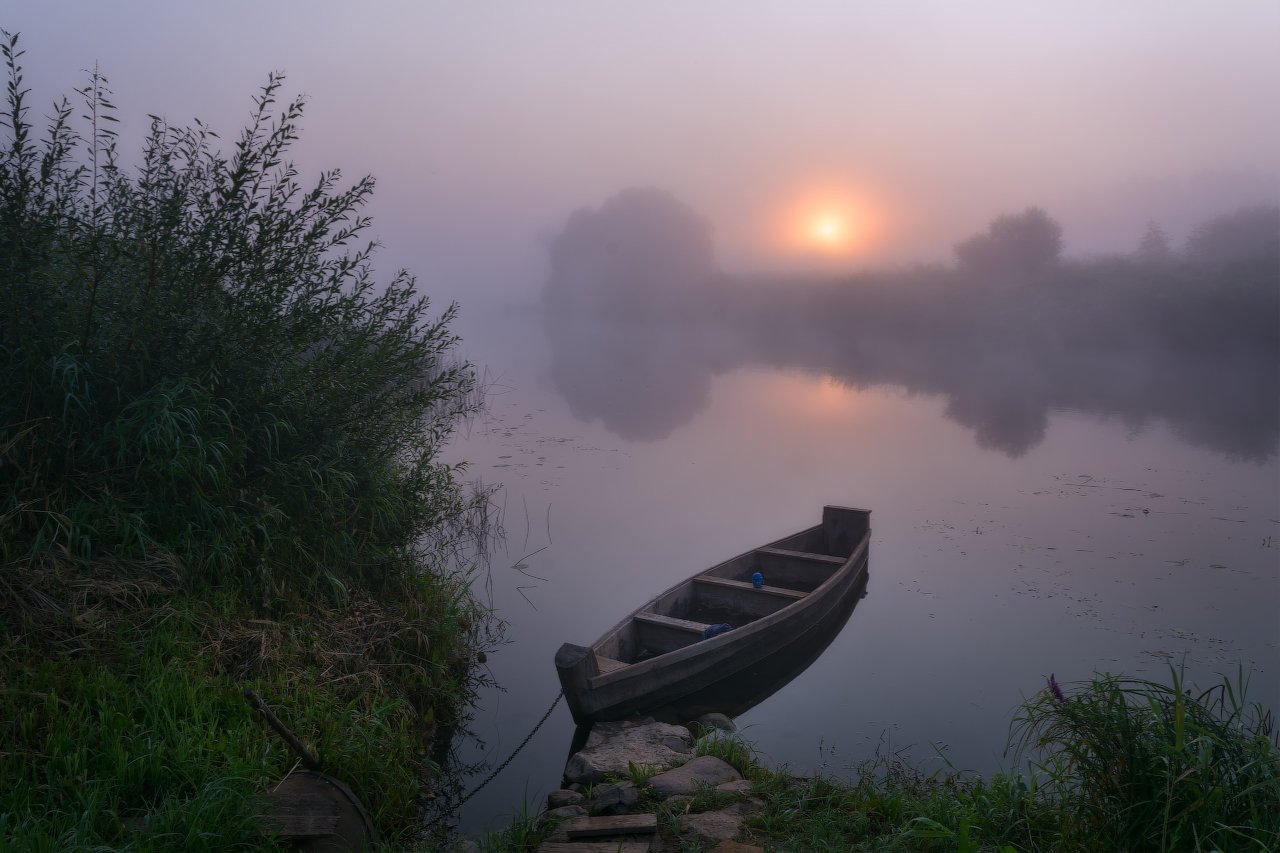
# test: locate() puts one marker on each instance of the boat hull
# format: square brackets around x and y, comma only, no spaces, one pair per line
[715,674]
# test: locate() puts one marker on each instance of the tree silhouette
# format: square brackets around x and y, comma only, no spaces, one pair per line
[1248,234]
[636,256]
[1155,247]
[1019,243]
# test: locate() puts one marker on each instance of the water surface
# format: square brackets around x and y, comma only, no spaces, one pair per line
[1109,542]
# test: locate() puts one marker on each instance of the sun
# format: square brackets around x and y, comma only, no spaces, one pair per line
[827,231]
[824,222]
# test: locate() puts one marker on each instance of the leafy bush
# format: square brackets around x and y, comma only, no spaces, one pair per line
[196,359]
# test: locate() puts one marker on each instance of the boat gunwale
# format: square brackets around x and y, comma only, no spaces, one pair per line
[738,635]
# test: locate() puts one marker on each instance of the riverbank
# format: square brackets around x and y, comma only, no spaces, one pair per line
[125,726]
[1110,764]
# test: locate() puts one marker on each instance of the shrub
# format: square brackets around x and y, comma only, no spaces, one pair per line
[196,359]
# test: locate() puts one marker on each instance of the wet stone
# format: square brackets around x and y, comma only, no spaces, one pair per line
[566,811]
[717,721]
[712,826]
[463,845]
[735,847]
[563,797]
[677,804]
[705,770]
[612,748]
[614,799]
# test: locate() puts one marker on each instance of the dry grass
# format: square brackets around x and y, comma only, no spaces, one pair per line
[61,602]
[376,688]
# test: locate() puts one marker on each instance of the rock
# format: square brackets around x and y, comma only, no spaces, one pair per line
[563,797]
[705,770]
[614,799]
[566,811]
[719,825]
[463,845]
[611,747]
[712,826]
[716,721]
[737,786]
[735,847]
[677,804]
[577,788]
[680,743]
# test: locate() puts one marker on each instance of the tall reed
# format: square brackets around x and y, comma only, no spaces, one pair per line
[1140,765]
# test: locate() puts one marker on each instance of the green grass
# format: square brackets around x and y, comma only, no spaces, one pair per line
[147,757]
[732,749]
[892,807]
[640,774]
[525,832]
[124,725]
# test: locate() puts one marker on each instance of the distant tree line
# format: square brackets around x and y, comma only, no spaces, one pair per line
[1011,330]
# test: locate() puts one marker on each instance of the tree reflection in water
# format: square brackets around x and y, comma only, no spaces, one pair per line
[639,322]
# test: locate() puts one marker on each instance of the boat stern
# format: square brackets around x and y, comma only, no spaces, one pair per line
[576,665]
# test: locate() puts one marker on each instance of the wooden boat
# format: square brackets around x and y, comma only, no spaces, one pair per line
[661,653]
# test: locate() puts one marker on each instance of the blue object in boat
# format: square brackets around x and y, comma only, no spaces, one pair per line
[712,630]
[757,580]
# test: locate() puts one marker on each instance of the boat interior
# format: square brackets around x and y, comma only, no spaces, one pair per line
[792,568]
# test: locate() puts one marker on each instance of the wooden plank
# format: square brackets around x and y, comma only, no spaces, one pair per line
[623,824]
[672,622]
[596,847]
[609,664]
[300,815]
[803,555]
[728,583]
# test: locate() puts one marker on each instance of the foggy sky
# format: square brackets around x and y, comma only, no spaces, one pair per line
[487,124]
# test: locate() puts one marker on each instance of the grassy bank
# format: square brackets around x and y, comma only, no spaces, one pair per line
[1113,764]
[220,441]
[125,726]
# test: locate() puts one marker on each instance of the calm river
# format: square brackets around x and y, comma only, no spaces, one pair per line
[1101,540]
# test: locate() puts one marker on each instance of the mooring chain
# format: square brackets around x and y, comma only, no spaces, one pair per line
[503,765]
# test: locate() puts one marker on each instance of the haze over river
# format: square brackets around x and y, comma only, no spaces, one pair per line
[1110,543]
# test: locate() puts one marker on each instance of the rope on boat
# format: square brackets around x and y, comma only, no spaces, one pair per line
[501,766]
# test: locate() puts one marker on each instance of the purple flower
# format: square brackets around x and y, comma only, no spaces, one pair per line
[1056,690]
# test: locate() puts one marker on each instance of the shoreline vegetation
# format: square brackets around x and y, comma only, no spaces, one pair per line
[1112,764]
[220,469]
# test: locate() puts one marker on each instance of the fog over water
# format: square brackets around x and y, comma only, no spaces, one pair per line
[1003,273]
[640,321]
